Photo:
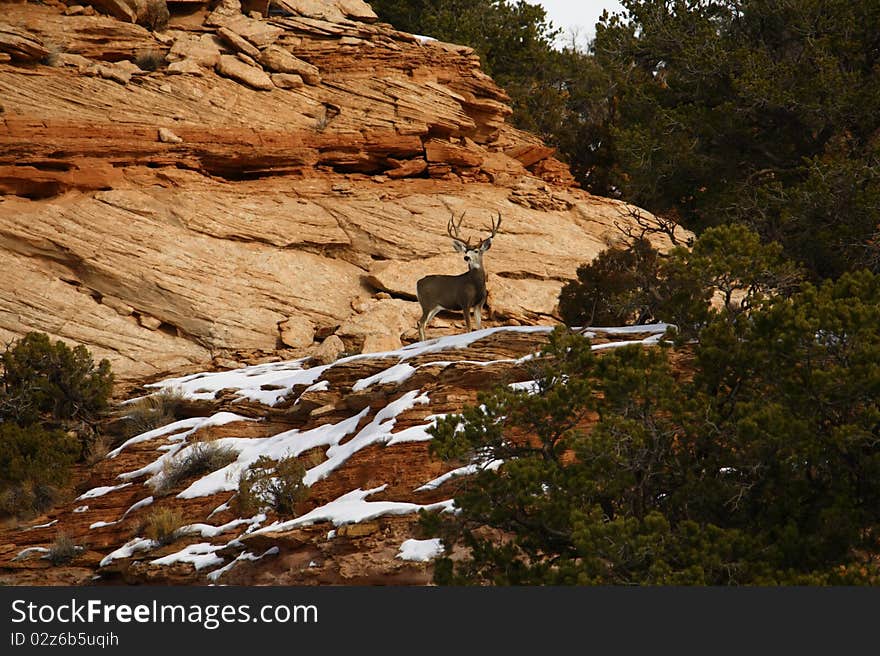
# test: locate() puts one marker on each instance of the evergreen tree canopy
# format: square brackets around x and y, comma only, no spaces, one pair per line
[757,464]
[756,112]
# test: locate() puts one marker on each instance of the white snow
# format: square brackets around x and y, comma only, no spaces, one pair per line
[136,506]
[190,426]
[417,433]
[46,525]
[200,555]
[128,549]
[288,443]
[208,531]
[245,555]
[467,470]
[102,524]
[527,386]
[377,431]
[395,374]
[420,550]
[248,382]
[80,509]
[24,553]
[100,491]
[352,508]
[271,383]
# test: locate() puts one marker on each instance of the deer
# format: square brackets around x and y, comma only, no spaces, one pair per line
[464,292]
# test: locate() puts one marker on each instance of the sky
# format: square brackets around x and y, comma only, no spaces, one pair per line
[578,15]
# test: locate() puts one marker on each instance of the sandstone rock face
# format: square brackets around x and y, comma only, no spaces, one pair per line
[20,45]
[279,198]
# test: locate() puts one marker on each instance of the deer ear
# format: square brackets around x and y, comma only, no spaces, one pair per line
[486,245]
[459,246]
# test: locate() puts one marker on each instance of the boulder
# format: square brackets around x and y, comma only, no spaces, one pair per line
[234,68]
[279,60]
[297,331]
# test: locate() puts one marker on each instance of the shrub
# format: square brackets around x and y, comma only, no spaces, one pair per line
[199,459]
[162,525]
[62,550]
[27,499]
[618,287]
[34,463]
[39,379]
[277,484]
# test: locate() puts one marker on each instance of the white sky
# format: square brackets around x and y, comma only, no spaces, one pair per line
[578,15]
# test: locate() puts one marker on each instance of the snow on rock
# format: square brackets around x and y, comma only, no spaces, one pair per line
[378,430]
[128,549]
[199,555]
[188,426]
[24,553]
[100,491]
[245,555]
[420,550]
[352,508]
[137,506]
[467,470]
[282,445]
[249,382]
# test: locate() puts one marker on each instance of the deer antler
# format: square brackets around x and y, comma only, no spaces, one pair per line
[452,229]
[494,229]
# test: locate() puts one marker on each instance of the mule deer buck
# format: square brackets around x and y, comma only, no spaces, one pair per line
[463,292]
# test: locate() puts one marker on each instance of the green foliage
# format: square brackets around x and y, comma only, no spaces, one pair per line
[44,386]
[277,484]
[638,285]
[620,286]
[34,463]
[752,112]
[760,465]
[40,380]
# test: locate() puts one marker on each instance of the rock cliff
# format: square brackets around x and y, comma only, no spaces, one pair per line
[359,427]
[241,183]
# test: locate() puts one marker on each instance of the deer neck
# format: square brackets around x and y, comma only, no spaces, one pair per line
[476,272]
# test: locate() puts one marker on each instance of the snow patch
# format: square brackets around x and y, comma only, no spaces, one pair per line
[420,550]
[352,508]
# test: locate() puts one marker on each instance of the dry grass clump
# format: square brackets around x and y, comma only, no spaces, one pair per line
[197,460]
[162,525]
[62,550]
[154,411]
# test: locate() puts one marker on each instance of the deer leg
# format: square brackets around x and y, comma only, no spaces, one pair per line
[478,315]
[427,315]
[467,318]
